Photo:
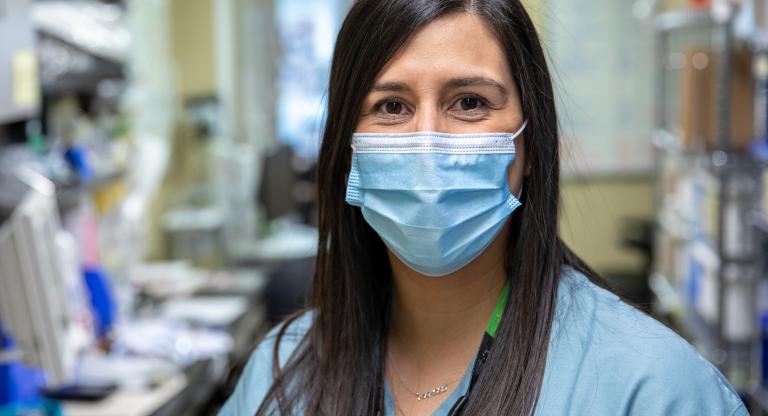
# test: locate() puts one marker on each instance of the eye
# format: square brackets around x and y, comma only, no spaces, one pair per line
[470,105]
[391,107]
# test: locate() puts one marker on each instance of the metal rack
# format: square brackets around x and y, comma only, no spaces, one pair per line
[738,360]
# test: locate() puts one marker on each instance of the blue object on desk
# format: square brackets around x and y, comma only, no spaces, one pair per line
[35,407]
[77,158]
[102,300]
[18,382]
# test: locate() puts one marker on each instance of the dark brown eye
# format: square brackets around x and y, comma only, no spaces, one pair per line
[470,103]
[393,108]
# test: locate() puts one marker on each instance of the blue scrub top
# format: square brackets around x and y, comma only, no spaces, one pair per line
[605,358]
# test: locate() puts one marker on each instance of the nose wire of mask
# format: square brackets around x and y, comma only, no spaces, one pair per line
[437,200]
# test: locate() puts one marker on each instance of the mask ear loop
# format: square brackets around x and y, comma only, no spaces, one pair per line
[527,168]
[520,130]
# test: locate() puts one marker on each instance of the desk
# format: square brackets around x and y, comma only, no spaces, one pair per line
[130,403]
[187,394]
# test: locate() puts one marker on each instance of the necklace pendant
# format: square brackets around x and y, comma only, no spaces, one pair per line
[432,393]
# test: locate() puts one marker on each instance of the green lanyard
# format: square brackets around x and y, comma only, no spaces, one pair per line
[498,312]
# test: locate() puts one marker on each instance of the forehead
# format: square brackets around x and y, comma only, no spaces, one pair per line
[458,44]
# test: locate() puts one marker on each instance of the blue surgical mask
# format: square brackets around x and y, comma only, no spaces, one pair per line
[436,200]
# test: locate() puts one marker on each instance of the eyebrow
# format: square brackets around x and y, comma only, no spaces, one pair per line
[477,81]
[390,86]
[452,83]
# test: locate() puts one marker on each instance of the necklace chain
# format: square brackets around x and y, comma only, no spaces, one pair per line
[426,394]
[397,407]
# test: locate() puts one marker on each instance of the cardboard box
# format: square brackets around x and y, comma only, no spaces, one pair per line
[700,92]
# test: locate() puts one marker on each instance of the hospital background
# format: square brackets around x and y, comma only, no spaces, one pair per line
[158,200]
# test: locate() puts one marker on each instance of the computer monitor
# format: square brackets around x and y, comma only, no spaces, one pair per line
[33,278]
[278,180]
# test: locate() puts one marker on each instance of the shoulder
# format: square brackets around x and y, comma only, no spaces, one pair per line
[256,379]
[638,365]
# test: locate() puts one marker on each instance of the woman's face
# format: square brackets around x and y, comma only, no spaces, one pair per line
[451,77]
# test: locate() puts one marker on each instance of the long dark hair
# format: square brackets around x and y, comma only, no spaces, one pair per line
[337,369]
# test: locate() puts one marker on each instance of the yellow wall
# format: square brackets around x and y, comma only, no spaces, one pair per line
[535,10]
[592,212]
[192,41]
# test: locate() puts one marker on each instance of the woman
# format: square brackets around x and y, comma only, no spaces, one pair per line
[441,284]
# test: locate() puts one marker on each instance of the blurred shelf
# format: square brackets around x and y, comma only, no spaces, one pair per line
[680,227]
[682,19]
[679,232]
[693,325]
[671,144]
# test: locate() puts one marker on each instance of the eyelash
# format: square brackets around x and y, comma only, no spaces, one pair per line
[377,107]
